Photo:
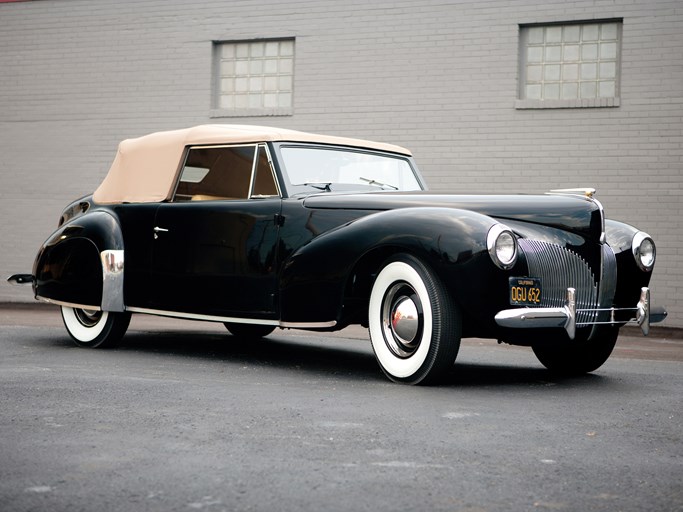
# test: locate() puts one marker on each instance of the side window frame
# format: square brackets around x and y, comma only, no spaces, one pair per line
[255,169]
[258,150]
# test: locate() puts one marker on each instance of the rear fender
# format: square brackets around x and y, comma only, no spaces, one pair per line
[81,264]
[316,277]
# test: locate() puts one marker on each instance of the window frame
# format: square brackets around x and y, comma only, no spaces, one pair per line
[524,103]
[257,148]
[294,189]
[217,111]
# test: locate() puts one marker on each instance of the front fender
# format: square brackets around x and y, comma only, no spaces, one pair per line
[81,264]
[630,277]
[315,277]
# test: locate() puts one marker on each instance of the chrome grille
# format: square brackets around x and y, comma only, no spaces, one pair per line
[559,269]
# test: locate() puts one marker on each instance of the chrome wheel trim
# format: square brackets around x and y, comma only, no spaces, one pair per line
[402,320]
[84,325]
[88,317]
[399,273]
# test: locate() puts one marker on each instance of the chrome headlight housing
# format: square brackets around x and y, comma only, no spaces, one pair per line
[644,251]
[502,246]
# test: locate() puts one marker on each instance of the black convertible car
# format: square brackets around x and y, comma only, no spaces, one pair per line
[263,228]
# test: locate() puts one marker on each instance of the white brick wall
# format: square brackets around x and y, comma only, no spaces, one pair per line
[436,76]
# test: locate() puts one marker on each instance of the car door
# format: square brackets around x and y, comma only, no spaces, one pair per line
[137,223]
[215,248]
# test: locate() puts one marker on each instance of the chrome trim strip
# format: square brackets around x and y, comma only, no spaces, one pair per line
[272,168]
[196,316]
[582,192]
[68,304]
[112,280]
[308,325]
[231,319]
[254,166]
[603,234]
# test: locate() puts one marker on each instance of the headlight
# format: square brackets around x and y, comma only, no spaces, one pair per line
[644,250]
[502,246]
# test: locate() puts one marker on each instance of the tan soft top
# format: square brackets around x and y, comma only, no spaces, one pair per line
[144,169]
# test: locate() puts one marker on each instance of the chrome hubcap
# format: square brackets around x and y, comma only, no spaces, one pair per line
[88,317]
[402,320]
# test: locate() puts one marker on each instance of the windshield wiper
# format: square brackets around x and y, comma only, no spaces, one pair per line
[378,183]
[325,186]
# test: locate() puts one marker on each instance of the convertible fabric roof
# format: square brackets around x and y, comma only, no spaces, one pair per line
[144,169]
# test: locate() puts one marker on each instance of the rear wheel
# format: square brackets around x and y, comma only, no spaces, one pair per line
[93,328]
[249,330]
[577,357]
[415,326]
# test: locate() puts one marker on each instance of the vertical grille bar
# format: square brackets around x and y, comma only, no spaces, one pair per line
[559,269]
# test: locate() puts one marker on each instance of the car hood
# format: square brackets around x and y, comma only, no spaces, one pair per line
[577,214]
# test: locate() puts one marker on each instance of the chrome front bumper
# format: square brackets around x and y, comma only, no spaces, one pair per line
[565,316]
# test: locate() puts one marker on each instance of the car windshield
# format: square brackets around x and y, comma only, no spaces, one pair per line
[323,168]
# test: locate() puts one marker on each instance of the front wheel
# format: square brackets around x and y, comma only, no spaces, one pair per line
[415,326]
[93,328]
[577,357]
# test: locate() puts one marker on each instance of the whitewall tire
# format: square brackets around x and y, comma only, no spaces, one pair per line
[415,326]
[92,328]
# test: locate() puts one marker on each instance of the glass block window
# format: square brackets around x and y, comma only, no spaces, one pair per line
[573,63]
[254,77]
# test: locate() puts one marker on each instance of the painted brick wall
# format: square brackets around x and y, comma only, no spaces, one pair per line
[439,77]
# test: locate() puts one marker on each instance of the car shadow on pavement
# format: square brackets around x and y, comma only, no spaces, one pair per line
[465,375]
[350,360]
[271,352]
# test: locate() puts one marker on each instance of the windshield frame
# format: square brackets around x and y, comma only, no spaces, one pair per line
[297,189]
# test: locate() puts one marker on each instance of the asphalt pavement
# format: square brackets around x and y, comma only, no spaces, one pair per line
[182,416]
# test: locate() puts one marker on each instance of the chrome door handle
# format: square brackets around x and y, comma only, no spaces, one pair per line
[158,230]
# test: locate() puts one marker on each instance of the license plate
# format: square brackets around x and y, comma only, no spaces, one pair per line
[525,291]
